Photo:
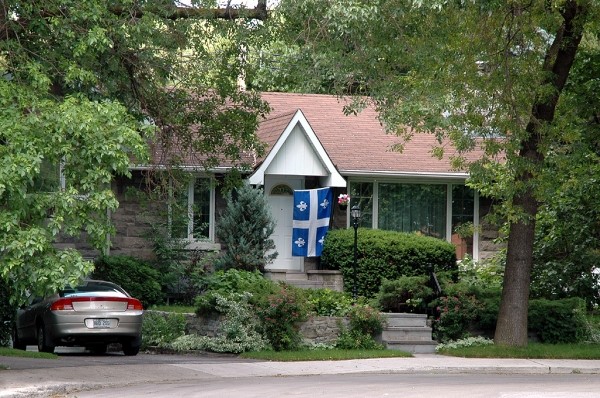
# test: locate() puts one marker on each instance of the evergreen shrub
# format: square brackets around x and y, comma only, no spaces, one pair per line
[558,321]
[405,294]
[245,228]
[385,255]
[137,277]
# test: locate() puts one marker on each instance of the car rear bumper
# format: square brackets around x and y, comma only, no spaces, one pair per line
[69,328]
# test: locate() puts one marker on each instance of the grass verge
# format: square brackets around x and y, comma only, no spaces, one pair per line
[533,350]
[323,355]
[10,352]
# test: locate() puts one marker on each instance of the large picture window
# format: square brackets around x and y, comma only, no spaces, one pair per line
[413,208]
[431,209]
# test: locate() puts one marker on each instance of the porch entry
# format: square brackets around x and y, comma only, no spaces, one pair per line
[280,195]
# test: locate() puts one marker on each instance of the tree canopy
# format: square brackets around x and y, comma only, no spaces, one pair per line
[493,74]
[85,86]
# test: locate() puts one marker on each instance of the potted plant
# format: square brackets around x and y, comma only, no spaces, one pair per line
[343,201]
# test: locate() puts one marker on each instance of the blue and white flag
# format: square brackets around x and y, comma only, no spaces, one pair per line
[312,211]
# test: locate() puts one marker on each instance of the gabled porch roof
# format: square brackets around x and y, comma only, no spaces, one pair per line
[295,151]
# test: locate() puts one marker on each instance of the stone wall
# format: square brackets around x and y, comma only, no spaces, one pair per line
[315,330]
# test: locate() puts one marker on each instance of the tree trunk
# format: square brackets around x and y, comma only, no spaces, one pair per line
[511,328]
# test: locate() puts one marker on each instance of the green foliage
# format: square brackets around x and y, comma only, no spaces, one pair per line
[405,294]
[83,90]
[567,245]
[355,340]
[239,332]
[245,229]
[137,277]
[233,281]
[327,302]
[7,314]
[558,321]
[456,316]
[161,329]
[385,255]
[280,314]
[467,309]
[366,319]
[488,273]
[364,323]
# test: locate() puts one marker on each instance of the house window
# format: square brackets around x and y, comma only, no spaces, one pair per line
[191,210]
[361,194]
[412,207]
[463,202]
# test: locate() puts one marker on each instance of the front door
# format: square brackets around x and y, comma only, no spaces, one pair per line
[280,196]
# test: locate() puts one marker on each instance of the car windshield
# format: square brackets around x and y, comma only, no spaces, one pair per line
[93,288]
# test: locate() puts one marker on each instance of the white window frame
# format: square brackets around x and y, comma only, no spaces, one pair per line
[200,243]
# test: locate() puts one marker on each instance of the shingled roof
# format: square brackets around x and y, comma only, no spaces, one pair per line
[356,144]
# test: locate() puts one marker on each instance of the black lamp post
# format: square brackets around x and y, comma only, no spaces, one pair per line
[355,214]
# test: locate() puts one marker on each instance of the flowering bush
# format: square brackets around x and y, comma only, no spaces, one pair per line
[343,199]
[456,313]
[365,323]
[279,314]
[366,319]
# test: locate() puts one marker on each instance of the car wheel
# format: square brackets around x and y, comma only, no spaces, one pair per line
[130,349]
[98,349]
[43,344]
[17,343]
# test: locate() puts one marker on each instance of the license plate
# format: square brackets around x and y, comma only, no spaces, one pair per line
[101,323]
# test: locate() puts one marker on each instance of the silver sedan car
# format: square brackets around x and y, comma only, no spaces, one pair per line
[92,314]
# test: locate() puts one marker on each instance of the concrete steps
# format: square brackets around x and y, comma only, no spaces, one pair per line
[408,332]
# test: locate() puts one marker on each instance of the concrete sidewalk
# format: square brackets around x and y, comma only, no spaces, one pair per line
[61,380]
[420,363]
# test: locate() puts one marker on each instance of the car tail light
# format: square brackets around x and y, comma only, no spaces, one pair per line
[63,304]
[134,304]
[66,304]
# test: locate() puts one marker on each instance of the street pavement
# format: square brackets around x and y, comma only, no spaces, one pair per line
[21,380]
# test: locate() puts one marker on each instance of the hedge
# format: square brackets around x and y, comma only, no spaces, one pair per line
[384,255]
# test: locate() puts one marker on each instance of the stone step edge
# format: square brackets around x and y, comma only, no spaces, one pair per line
[410,342]
[403,315]
[407,328]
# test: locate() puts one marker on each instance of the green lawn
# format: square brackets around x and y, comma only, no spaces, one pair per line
[533,350]
[9,352]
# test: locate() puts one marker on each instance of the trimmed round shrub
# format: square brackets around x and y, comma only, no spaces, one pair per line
[137,277]
[384,255]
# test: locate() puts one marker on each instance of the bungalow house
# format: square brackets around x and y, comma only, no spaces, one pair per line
[311,143]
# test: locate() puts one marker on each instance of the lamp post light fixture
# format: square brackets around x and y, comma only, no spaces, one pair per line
[355,214]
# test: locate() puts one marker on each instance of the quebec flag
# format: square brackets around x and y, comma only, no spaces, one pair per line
[312,211]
